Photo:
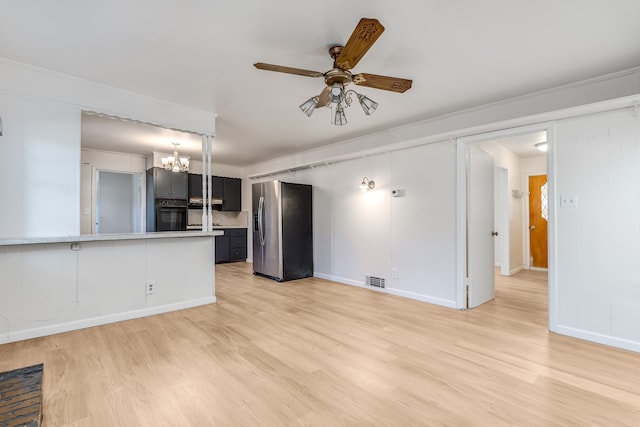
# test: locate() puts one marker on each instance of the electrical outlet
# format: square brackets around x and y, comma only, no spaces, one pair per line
[394,273]
[150,287]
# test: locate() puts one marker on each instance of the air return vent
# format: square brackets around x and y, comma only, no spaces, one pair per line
[378,282]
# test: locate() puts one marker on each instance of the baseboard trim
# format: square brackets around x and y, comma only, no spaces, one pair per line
[101,320]
[339,280]
[421,297]
[516,270]
[598,338]
[391,291]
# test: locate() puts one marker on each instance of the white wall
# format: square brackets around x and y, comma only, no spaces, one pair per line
[48,288]
[39,178]
[423,222]
[597,159]
[533,166]
[33,82]
[41,113]
[358,234]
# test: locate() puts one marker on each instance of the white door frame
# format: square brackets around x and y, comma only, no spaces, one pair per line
[504,238]
[461,218]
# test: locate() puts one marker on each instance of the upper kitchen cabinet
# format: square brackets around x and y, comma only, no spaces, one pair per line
[217,184]
[167,184]
[195,186]
[229,190]
[232,200]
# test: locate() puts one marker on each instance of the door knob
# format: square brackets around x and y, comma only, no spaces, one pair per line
[494,233]
[533,227]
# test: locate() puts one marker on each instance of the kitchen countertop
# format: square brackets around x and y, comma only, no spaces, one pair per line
[107,237]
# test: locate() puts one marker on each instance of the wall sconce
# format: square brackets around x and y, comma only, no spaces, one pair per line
[367,184]
[517,194]
[542,146]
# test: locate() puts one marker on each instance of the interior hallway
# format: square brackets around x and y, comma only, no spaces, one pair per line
[313,352]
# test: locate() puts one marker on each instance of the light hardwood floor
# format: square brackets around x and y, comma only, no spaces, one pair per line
[313,352]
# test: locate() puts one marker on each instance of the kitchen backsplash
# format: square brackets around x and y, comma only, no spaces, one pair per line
[228,219]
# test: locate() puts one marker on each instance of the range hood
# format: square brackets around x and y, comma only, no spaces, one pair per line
[200,201]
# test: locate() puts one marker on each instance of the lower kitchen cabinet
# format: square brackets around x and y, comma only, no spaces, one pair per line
[232,246]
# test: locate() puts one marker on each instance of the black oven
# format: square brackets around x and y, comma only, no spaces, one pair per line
[171,215]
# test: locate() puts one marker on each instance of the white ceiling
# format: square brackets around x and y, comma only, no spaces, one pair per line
[459,54]
[523,146]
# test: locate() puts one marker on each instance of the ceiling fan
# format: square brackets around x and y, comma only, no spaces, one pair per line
[344,59]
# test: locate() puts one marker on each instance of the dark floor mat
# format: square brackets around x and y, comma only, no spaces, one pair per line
[21,397]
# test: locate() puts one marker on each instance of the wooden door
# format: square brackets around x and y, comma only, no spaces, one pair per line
[538,217]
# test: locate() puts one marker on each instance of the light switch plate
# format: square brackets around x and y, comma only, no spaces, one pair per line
[569,201]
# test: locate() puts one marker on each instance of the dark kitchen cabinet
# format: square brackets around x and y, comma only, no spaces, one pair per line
[167,184]
[227,189]
[217,187]
[232,200]
[195,185]
[222,249]
[232,246]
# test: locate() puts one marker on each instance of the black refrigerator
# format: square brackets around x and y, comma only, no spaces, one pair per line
[282,230]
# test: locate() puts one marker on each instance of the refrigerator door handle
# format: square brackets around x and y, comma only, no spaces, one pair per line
[261,220]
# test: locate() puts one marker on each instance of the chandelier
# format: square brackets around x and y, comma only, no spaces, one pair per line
[175,163]
[339,99]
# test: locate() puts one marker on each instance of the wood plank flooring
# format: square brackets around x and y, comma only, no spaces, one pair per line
[315,353]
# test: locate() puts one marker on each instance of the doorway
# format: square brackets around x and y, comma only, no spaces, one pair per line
[118,202]
[513,165]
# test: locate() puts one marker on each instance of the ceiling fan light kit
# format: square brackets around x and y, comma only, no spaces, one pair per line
[340,118]
[309,106]
[368,105]
[345,58]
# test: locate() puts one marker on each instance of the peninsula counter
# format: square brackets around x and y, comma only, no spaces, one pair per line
[50,285]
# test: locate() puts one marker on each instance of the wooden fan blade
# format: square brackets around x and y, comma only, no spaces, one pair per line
[288,70]
[364,36]
[324,98]
[394,84]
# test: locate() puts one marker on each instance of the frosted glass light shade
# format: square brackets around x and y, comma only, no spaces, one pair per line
[309,106]
[340,118]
